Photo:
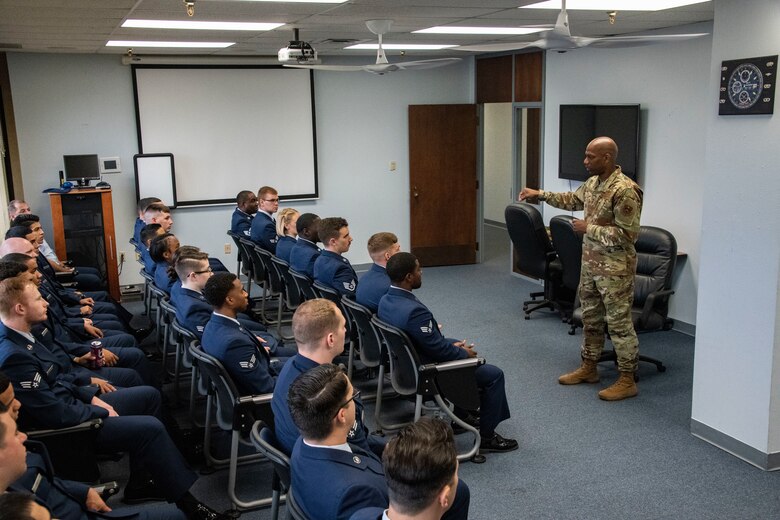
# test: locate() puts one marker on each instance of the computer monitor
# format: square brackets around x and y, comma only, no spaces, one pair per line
[81,168]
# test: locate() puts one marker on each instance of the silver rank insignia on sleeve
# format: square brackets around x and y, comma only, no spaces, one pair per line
[248,364]
[35,383]
[427,329]
[350,286]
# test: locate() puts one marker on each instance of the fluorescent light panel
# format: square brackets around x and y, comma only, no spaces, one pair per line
[301,1]
[614,5]
[399,46]
[209,26]
[447,29]
[180,45]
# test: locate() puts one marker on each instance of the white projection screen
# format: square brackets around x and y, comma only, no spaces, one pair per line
[230,128]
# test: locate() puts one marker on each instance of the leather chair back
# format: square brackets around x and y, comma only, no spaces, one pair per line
[304,283]
[224,390]
[403,358]
[369,338]
[568,246]
[529,237]
[656,252]
[292,294]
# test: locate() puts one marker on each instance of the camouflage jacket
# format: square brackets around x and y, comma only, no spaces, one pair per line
[612,211]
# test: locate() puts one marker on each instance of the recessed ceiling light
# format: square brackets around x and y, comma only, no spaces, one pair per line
[399,46]
[212,26]
[614,5]
[186,45]
[448,29]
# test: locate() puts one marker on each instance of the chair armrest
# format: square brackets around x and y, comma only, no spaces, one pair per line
[451,365]
[106,489]
[249,408]
[92,424]
[650,304]
[455,381]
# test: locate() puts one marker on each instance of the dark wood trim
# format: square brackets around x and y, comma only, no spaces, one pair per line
[14,183]
[528,77]
[494,79]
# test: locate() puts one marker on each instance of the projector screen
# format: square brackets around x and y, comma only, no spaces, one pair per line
[229,128]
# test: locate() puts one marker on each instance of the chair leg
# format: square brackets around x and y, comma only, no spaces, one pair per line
[380,385]
[543,304]
[233,471]
[473,453]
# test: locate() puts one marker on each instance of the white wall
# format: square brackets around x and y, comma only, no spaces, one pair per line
[669,81]
[497,162]
[736,387]
[84,104]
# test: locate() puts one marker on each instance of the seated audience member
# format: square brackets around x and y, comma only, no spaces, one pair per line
[331,268]
[421,470]
[332,478]
[87,278]
[148,233]
[158,213]
[263,230]
[192,309]
[52,399]
[246,207]
[244,356]
[22,506]
[318,327]
[287,231]
[161,251]
[305,251]
[34,474]
[400,308]
[375,283]
[139,221]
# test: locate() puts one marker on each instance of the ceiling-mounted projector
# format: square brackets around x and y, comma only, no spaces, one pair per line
[298,52]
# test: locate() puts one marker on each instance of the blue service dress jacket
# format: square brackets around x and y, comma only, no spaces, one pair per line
[284,247]
[335,271]
[285,429]
[333,484]
[373,285]
[137,228]
[161,278]
[263,231]
[303,255]
[243,356]
[241,223]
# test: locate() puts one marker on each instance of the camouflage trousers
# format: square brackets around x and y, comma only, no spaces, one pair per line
[606,300]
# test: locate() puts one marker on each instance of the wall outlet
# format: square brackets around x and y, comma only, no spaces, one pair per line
[392,166]
[228,249]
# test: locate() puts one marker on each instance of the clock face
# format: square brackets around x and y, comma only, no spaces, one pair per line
[745,85]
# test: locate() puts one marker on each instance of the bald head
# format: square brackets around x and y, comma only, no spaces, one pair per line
[17,245]
[601,156]
[605,145]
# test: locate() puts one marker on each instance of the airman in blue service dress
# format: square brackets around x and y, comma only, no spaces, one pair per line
[373,285]
[263,231]
[335,271]
[303,255]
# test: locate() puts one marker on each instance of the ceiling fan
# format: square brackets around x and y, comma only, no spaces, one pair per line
[559,39]
[382,66]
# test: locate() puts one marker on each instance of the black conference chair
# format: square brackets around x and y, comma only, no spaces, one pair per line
[534,251]
[71,450]
[290,291]
[305,285]
[568,246]
[233,413]
[274,287]
[656,251]
[257,270]
[323,291]
[447,384]
[241,261]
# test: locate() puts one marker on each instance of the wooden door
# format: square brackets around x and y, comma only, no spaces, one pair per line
[443,183]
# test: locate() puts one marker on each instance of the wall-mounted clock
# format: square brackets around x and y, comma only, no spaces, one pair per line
[747,86]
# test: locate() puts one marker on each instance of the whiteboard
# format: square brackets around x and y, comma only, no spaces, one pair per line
[231,128]
[154,177]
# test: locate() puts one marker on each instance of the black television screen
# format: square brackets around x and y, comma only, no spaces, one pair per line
[579,124]
[81,167]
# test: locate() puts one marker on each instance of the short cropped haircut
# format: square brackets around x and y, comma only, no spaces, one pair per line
[283,218]
[18,506]
[262,192]
[399,265]
[381,242]
[314,399]
[306,221]
[218,287]
[418,463]
[156,208]
[314,319]
[146,202]
[331,227]
[158,246]
[4,384]
[11,290]
[18,232]
[12,205]
[10,268]
[187,259]
[23,219]
[243,196]
[149,231]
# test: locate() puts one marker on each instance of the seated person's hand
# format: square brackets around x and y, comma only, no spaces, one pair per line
[261,340]
[85,310]
[468,347]
[109,358]
[95,503]
[84,360]
[99,402]
[87,301]
[580,226]
[105,386]
[92,330]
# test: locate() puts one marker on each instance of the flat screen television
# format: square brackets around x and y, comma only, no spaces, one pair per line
[81,168]
[579,124]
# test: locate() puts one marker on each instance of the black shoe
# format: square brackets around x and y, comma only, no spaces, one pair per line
[200,511]
[146,492]
[471,420]
[141,334]
[497,444]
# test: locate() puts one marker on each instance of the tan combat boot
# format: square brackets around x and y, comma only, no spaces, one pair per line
[587,373]
[623,388]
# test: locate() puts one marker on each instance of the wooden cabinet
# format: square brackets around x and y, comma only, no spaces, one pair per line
[83,228]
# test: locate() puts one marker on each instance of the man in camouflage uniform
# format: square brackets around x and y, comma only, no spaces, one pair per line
[612,204]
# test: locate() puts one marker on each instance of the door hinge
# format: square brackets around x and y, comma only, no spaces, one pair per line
[477,246]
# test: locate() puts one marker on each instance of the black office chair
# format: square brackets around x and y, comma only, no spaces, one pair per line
[656,251]
[274,287]
[265,442]
[452,383]
[290,291]
[568,246]
[328,293]
[305,285]
[240,260]
[233,413]
[72,450]
[534,251]
[257,270]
